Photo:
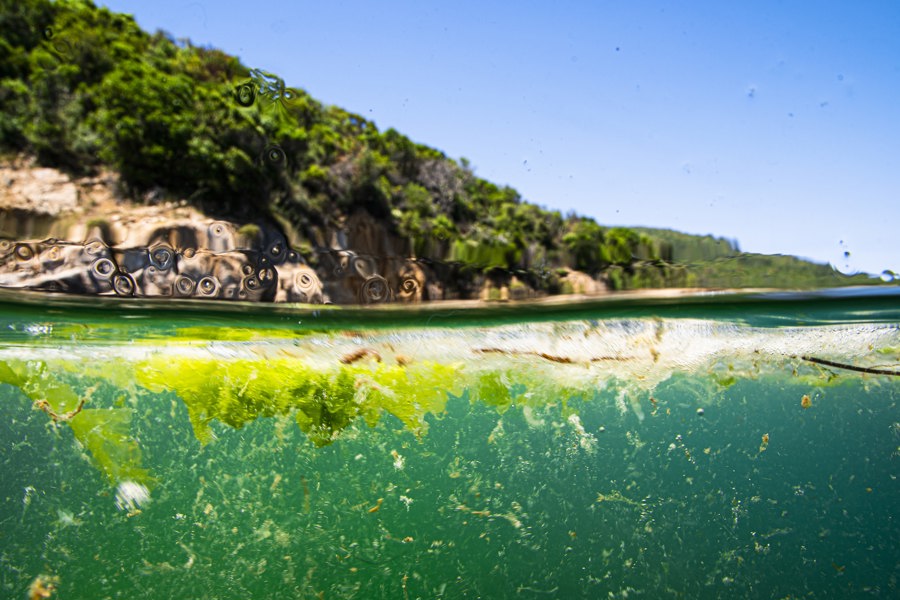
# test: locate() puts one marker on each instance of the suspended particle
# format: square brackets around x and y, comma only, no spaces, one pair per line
[700,412]
[43,586]
[805,401]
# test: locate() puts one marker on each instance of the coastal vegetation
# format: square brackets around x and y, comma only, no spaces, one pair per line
[84,89]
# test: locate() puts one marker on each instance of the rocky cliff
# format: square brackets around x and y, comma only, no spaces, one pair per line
[82,236]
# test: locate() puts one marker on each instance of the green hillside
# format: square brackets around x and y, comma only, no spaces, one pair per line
[82,88]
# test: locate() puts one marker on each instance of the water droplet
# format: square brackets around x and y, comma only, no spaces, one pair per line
[95,247]
[208,286]
[24,252]
[184,285]
[374,290]
[245,94]
[251,283]
[888,276]
[363,266]
[274,155]
[409,286]
[304,282]
[123,284]
[52,253]
[103,268]
[266,276]
[276,252]
[162,258]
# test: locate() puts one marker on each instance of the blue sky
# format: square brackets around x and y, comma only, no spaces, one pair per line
[775,123]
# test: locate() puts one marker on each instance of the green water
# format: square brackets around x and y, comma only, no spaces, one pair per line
[623,448]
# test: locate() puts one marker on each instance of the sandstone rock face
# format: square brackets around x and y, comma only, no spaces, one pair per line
[91,242]
[80,236]
[38,191]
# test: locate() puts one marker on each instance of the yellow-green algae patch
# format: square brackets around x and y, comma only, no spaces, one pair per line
[324,401]
[104,433]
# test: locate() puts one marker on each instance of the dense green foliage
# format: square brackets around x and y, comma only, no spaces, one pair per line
[83,88]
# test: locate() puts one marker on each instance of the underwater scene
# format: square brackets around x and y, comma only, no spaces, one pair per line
[671,445]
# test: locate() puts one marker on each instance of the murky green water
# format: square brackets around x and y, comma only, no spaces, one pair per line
[692,447]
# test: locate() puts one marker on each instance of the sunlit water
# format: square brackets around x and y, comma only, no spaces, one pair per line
[723,446]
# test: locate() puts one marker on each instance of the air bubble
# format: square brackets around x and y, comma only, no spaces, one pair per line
[123,284]
[48,33]
[188,253]
[247,270]
[888,276]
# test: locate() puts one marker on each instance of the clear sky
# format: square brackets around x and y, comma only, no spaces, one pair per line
[775,123]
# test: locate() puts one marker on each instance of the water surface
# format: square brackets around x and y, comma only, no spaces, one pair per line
[702,446]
